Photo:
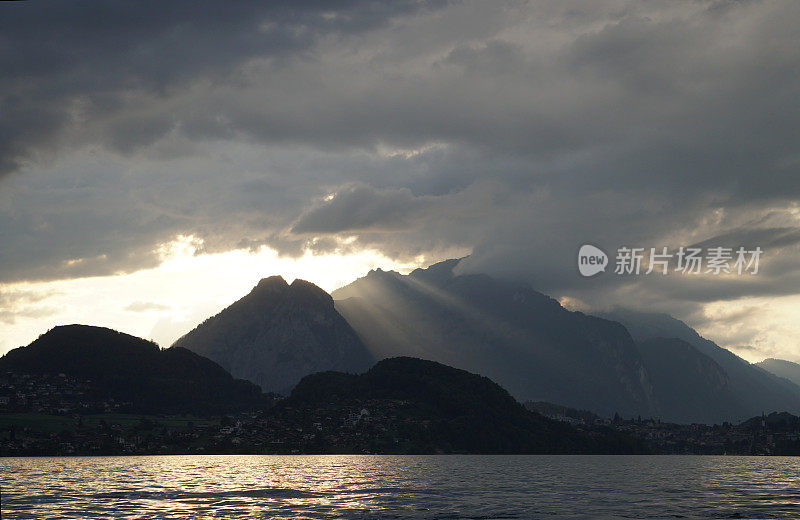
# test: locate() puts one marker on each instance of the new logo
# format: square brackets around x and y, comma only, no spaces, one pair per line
[591,260]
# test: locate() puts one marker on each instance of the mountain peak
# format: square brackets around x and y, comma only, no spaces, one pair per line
[272,283]
[76,328]
[299,283]
[438,272]
[279,333]
[87,337]
[307,290]
[380,273]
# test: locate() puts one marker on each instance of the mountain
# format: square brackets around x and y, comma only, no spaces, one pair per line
[782,368]
[409,405]
[279,333]
[132,370]
[753,388]
[522,339]
[690,386]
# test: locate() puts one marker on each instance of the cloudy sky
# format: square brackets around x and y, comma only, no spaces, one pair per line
[157,159]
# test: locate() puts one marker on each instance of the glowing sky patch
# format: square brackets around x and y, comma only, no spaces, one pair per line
[166,302]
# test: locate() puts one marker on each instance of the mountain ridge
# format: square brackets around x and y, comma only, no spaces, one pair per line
[782,368]
[636,367]
[754,388]
[523,339]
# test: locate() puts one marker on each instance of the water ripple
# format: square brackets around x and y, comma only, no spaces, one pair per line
[400,487]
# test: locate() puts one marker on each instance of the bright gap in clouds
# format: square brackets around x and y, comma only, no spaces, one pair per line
[755,328]
[164,303]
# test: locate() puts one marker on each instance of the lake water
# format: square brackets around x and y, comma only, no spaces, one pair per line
[401,487]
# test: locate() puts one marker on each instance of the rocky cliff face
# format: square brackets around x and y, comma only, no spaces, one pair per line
[754,389]
[524,340]
[279,333]
[689,386]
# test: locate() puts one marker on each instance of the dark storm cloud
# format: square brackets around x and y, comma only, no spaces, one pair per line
[64,65]
[518,132]
[363,208]
[768,238]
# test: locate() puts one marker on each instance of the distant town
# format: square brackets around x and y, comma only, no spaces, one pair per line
[772,434]
[62,415]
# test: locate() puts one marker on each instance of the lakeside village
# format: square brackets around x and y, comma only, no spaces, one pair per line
[59,415]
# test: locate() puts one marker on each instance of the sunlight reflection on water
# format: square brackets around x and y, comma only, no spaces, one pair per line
[200,487]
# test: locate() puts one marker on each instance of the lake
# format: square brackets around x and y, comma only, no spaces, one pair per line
[375,486]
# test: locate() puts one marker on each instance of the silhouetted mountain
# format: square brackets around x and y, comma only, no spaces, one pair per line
[279,333]
[134,371]
[408,405]
[522,339]
[782,368]
[753,388]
